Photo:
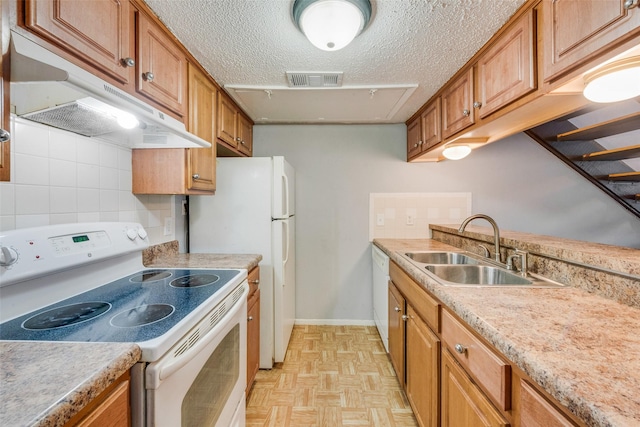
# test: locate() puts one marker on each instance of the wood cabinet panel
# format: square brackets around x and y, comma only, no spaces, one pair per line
[245,135]
[414,137]
[576,31]
[422,370]
[457,104]
[492,373]
[227,117]
[161,66]
[536,411]
[99,35]
[427,307]
[432,124]
[110,409]
[5,122]
[201,164]
[396,331]
[253,338]
[463,404]
[506,70]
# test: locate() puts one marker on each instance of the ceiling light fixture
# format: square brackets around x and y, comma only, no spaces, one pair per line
[331,24]
[614,82]
[456,151]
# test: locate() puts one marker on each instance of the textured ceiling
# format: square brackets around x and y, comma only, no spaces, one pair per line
[408,42]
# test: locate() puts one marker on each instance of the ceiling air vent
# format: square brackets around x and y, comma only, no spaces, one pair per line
[314,79]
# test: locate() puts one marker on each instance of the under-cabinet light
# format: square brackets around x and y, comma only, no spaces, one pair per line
[456,152]
[614,82]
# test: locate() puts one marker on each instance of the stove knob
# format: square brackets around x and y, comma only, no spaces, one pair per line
[142,233]
[131,234]
[8,256]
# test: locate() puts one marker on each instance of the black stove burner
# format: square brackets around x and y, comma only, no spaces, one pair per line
[142,315]
[67,315]
[194,280]
[150,276]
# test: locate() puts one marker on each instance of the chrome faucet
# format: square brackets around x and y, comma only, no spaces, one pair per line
[496,232]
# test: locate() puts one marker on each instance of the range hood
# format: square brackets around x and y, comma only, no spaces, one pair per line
[49,89]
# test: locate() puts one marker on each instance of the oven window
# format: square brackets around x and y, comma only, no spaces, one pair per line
[211,389]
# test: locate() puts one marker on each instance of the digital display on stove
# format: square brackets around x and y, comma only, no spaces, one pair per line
[78,239]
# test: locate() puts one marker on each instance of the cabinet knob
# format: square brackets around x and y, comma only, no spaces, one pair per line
[415,145]
[250,318]
[242,142]
[397,309]
[148,76]
[420,142]
[256,282]
[477,104]
[466,112]
[630,4]
[460,348]
[196,176]
[128,62]
[405,317]
[238,139]
[4,135]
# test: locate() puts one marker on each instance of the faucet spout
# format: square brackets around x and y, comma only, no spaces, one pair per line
[496,231]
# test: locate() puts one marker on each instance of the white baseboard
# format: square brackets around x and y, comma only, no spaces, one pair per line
[335,322]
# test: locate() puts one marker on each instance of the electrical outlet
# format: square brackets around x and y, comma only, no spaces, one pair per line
[410,219]
[380,219]
[168,226]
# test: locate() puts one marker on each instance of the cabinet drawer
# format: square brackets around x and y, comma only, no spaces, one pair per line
[536,411]
[254,281]
[489,370]
[427,307]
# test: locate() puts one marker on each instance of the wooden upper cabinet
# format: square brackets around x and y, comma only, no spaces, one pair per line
[431,120]
[96,32]
[577,31]
[201,170]
[245,135]
[506,70]
[457,104]
[414,137]
[5,123]
[227,117]
[161,66]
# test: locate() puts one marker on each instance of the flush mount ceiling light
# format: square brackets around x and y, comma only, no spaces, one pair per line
[456,151]
[331,24]
[613,82]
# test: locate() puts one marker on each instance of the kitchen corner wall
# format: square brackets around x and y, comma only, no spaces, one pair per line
[516,181]
[61,177]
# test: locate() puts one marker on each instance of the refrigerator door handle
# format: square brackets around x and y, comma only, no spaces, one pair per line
[286,195]
[286,244]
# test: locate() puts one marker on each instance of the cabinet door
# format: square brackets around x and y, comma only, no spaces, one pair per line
[463,404]
[506,70]
[576,31]
[422,370]
[96,32]
[414,137]
[161,66]
[5,123]
[245,135]
[253,338]
[201,167]
[396,331]
[536,411]
[457,109]
[227,116]
[432,125]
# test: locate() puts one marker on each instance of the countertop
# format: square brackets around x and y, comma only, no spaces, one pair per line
[581,348]
[46,383]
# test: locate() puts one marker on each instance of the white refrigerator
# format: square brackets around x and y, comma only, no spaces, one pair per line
[253,212]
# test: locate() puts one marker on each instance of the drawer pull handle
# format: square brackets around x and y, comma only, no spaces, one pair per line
[461,349]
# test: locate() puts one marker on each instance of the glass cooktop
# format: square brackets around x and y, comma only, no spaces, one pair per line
[135,308]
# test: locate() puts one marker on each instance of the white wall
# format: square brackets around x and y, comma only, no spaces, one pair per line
[517,182]
[60,177]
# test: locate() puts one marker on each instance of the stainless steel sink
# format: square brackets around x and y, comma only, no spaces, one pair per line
[477,275]
[440,258]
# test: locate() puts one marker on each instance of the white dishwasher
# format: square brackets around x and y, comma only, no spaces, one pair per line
[381,293]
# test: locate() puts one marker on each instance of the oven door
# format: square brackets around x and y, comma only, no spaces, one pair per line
[202,383]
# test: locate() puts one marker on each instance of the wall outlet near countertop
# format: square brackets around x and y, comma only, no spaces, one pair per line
[168,226]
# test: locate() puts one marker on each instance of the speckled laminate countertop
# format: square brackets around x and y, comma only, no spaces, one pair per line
[47,383]
[206,261]
[581,348]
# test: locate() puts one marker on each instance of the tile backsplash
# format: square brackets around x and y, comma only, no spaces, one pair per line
[408,215]
[61,177]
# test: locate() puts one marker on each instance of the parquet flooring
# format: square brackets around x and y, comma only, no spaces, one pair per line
[332,376]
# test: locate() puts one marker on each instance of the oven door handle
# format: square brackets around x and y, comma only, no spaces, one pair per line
[167,366]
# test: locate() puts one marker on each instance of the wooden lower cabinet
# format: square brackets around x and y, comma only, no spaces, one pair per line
[463,404]
[396,331]
[110,409]
[422,370]
[537,411]
[253,327]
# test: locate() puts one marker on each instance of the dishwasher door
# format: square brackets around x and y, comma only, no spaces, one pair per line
[381,293]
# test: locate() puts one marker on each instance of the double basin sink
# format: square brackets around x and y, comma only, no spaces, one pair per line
[463,269]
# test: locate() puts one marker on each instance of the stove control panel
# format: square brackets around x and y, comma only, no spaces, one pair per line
[32,252]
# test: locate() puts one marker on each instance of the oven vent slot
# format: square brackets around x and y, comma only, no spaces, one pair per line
[217,314]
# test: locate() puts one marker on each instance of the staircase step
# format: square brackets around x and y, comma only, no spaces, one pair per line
[623,153]
[600,130]
[625,176]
